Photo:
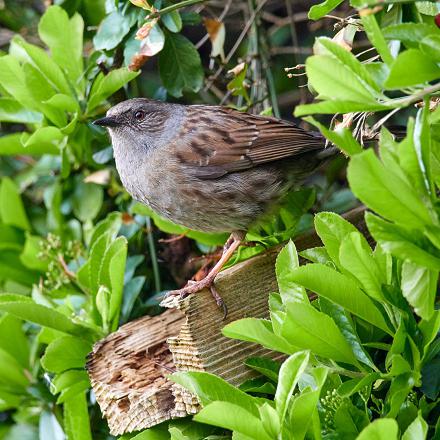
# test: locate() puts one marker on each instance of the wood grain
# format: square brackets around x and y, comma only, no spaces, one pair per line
[128,369]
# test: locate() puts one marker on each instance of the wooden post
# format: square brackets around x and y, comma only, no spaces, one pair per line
[128,369]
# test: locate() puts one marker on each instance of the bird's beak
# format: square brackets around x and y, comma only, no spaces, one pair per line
[106,122]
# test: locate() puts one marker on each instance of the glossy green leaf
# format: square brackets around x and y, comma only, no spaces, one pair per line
[401,242]
[64,37]
[65,353]
[111,31]
[340,289]
[345,323]
[24,308]
[210,388]
[234,418]
[172,21]
[46,140]
[332,80]
[49,428]
[386,193]
[318,11]
[180,66]
[332,229]
[419,287]
[14,340]
[12,210]
[340,136]
[290,372]
[351,63]
[259,331]
[356,257]
[76,418]
[410,68]
[310,329]
[339,106]
[287,260]
[105,86]
[418,429]
[45,64]
[375,35]
[380,429]
[87,200]
[305,404]
[12,111]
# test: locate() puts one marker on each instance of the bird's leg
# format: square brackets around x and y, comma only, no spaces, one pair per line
[230,247]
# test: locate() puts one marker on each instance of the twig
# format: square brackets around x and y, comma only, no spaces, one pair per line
[172,8]
[236,45]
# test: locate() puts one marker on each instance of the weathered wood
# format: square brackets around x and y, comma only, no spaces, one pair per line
[128,368]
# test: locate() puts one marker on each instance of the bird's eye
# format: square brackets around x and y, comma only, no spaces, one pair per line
[139,115]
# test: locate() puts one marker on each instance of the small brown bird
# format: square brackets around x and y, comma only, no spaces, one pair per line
[209,168]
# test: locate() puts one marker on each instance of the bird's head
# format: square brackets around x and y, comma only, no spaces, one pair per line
[138,121]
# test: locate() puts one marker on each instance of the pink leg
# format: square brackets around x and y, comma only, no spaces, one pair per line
[230,247]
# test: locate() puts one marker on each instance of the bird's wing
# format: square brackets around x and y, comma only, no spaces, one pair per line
[218,140]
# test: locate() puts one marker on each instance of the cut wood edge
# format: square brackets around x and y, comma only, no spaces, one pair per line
[129,368]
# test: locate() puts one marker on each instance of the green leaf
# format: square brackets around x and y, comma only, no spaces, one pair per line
[418,429]
[64,37]
[419,287]
[340,289]
[111,225]
[356,257]
[333,80]
[46,140]
[408,32]
[376,37]
[180,66]
[30,254]
[24,308]
[12,111]
[210,388]
[340,136]
[305,404]
[290,373]
[11,206]
[352,63]
[49,427]
[47,67]
[430,46]
[401,242]
[339,106]
[172,21]
[310,329]
[118,252]
[287,260]
[386,193]
[12,374]
[111,31]
[410,68]
[380,429]
[234,418]
[332,229]
[265,366]
[76,418]
[345,323]
[259,331]
[105,86]
[12,80]
[65,353]
[14,340]
[87,200]
[318,11]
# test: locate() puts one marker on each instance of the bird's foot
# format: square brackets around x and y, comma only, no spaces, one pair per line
[197,286]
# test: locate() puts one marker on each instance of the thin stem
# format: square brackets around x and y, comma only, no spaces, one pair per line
[153,256]
[172,8]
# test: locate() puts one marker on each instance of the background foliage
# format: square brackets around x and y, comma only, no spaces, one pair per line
[78,258]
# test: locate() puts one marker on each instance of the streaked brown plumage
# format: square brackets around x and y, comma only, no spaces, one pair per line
[209,168]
